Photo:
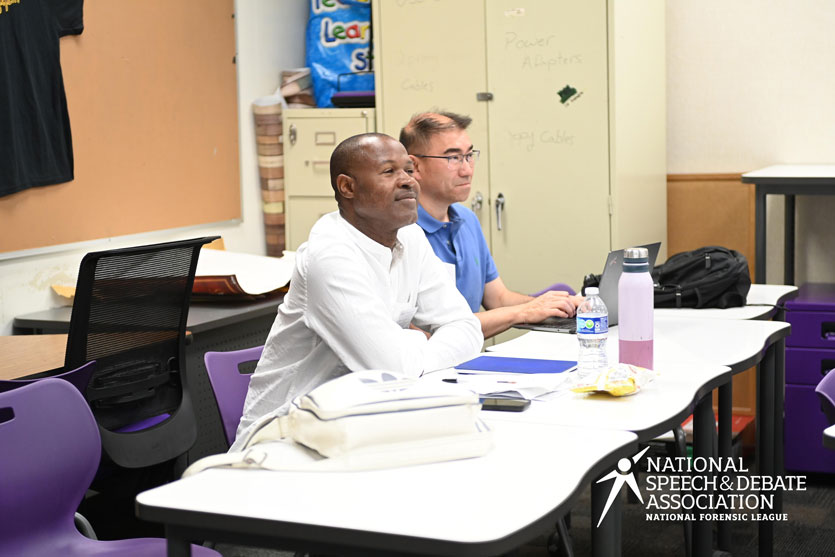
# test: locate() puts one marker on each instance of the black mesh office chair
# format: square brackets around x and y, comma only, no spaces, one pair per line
[129,314]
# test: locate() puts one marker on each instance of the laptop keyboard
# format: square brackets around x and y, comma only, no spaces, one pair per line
[563,324]
[560,322]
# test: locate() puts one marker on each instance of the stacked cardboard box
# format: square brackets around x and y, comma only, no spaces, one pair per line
[268,129]
[296,90]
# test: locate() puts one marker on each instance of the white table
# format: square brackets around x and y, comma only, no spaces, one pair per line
[787,180]
[481,506]
[678,391]
[738,344]
[764,302]
[224,505]
[659,407]
[677,340]
[829,437]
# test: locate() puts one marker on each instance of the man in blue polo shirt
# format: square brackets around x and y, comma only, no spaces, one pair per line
[444,160]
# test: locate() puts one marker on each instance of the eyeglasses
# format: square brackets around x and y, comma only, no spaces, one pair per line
[454,161]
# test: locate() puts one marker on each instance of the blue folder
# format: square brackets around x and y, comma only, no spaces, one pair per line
[516,365]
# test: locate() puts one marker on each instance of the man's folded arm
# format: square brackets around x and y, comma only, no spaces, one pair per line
[442,310]
[345,309]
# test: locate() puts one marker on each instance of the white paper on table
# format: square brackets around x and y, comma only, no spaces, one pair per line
[529,386]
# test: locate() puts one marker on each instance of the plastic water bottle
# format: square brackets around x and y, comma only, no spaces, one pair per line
[635,305]
[592,331]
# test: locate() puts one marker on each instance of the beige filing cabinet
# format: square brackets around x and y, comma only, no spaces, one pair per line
[568,107]
[310,136]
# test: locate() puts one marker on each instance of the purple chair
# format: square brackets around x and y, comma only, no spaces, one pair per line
[556,286]
[51,450]
[79,378]
[826,394]
[230,385]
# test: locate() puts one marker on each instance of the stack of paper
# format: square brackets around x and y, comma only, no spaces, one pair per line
[527,378]
[229,275]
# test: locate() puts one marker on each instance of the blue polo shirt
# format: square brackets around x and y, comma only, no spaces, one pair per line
[461,243]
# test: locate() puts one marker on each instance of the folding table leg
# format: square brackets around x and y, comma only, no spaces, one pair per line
[725,452]
[765,440]
[606,538]
[704,426]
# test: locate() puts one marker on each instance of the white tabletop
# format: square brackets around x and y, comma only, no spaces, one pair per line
[733,343]
[829,437]
[658,407]
[794,171]
[760,305]
[533,470]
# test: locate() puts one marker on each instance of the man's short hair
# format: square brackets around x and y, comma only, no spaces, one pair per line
[422,126]
[347,154]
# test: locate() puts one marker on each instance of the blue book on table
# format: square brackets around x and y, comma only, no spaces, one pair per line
[516,365]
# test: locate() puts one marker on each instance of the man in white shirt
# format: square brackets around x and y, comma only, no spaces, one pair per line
[365,288]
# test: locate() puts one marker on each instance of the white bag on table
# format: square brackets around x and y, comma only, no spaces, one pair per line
[364,421]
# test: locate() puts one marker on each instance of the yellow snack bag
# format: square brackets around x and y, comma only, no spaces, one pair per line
[618,380]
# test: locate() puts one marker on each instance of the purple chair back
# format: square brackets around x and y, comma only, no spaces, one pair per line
[826,393]
[79,378]
[51,451]
[556,286]
[230,385]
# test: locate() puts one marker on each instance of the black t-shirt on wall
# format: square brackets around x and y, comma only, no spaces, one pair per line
[35,138]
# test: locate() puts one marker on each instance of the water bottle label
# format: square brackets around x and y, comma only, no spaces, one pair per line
[592,325]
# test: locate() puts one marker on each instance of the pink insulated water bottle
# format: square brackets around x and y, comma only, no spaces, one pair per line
[635,305]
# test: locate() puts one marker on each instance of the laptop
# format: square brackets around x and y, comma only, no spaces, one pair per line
[612,270]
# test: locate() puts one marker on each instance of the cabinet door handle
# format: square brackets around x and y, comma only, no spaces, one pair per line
[324,138]
[292,134]
[477,202]
[315,162]
[499,210]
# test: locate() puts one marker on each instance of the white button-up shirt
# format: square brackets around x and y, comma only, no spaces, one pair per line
[349,307]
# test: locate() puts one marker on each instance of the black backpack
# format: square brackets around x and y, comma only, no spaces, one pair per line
[708,277]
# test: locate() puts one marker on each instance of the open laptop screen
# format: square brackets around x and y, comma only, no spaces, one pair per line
[612,270]
[611,275]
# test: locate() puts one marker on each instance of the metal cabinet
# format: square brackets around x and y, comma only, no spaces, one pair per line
[309,137]
[568,107]
[810,354]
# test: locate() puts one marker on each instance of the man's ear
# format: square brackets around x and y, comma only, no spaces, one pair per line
[345,185]
[416,163]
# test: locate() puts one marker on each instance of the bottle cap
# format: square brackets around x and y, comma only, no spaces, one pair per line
[636,254]
[592,291]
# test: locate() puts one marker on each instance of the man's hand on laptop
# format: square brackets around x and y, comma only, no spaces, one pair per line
[552,303]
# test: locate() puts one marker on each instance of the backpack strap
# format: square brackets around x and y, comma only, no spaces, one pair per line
[273,428]
[268,455]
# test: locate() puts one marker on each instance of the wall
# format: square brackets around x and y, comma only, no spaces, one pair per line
[147,157]
[749,84]
[270,38]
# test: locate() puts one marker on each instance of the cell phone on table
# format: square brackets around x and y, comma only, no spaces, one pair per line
[505,404]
